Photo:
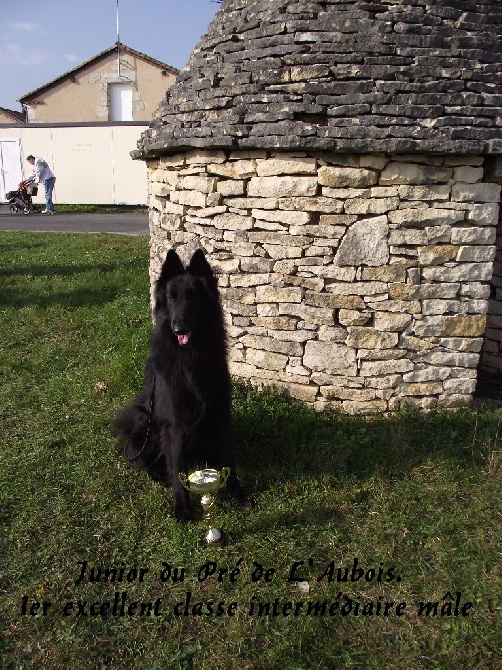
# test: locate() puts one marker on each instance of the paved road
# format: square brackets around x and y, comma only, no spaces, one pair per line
[124,224]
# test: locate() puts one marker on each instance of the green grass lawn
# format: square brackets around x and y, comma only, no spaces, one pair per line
[360,521]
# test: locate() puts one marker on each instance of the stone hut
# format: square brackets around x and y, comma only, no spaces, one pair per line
[338,162]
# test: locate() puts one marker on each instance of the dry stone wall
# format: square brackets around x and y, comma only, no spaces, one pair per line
[491,360]
[359,281]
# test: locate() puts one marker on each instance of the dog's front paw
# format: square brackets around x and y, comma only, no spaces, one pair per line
[245,501]
[182,513]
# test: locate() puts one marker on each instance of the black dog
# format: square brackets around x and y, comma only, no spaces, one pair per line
[183,415]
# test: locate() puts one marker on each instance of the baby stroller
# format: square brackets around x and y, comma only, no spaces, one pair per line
[21,200]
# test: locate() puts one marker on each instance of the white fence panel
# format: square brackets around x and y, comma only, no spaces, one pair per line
[91,162]
[130,177]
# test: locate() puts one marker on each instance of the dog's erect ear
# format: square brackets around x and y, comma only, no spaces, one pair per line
[201,268]
[172,268]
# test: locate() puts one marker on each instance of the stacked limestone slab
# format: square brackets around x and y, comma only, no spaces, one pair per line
[491,360]
[338,162]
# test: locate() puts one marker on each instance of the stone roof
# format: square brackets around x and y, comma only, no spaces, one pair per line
[339,75]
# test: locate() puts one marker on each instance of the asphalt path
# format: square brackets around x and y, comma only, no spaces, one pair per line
[122,224]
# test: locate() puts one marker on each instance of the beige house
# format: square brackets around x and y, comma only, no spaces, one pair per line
[10,116]
[119,84]
[85,124]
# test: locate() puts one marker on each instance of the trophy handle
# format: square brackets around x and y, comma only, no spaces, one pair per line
[183,480]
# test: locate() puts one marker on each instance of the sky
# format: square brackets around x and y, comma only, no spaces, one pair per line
[41,40]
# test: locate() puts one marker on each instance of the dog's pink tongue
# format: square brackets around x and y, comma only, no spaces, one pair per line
[183,339]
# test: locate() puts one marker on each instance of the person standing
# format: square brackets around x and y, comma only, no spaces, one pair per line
[44,175]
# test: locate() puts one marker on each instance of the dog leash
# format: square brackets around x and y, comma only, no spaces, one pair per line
[133,458]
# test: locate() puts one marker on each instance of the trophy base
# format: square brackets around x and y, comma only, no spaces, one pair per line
[214,538]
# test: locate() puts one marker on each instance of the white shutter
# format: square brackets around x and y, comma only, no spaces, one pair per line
[120,102]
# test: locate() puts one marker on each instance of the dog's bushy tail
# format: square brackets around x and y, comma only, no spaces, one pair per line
[131,426]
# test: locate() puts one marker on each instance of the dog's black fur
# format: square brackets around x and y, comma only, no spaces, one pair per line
[183,415]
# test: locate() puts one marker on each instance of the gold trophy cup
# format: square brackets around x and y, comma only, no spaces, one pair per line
[206,483]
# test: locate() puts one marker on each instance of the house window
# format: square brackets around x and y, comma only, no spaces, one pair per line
[120,102]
